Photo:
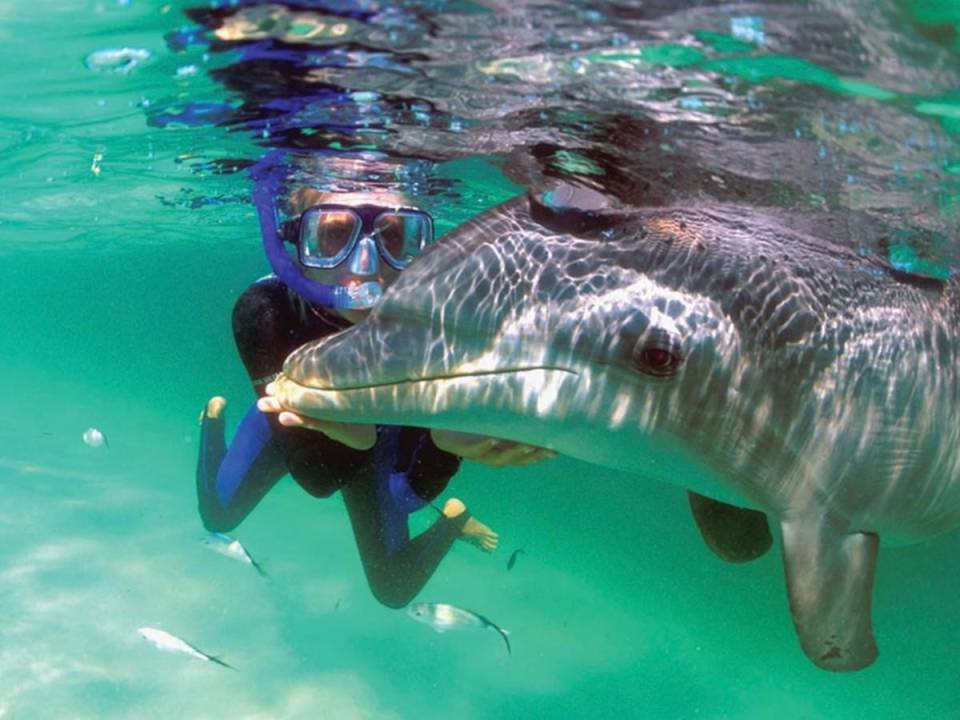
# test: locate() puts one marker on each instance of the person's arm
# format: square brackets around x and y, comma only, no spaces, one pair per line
[485,449]
[353,435]
[231,481]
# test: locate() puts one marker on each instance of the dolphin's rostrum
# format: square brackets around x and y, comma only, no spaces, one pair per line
[766,370]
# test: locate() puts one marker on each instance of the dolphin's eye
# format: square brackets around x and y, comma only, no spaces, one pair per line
[657,358]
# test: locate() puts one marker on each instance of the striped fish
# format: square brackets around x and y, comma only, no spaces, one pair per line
[231,547]
[162,640]
[442,617]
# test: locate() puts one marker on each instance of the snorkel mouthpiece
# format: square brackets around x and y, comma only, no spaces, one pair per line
[364,296]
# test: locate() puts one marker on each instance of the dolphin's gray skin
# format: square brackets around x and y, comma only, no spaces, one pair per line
[707,346]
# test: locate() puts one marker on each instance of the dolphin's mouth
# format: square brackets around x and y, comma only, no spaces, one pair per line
[433,378]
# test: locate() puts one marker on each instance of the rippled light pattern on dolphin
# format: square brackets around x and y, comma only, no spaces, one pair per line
[767,369]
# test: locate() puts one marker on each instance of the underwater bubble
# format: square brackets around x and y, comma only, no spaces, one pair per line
[94,438]
[748,28]
[117,60]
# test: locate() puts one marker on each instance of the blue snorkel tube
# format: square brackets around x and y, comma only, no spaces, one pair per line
[268,175]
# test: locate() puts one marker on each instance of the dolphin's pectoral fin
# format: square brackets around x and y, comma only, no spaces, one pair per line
[734,534]
[830,585]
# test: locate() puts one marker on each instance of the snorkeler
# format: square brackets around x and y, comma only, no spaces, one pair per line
[349,248]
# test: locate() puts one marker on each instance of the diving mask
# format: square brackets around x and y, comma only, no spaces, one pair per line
[327,234]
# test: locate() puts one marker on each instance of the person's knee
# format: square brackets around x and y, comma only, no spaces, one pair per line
[390,596]
[217,522]
[318,486]
[392,602]
[218,527]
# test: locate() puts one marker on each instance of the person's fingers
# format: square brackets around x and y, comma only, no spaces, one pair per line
[534,455]
[490,451]
[357,436]
[478,450]
[269,404]
[483,448]
[504,453]
[289,419]
[517,454]
[292,419]
[332,430]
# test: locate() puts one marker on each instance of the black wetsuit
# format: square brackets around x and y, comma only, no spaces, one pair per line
[380,487]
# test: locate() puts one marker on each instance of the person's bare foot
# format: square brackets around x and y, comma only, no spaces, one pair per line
[215,406]
[474,531]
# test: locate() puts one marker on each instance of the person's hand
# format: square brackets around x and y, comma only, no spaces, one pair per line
[354,435]
[489,450]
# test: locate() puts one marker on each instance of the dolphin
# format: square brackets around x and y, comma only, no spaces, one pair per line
[769,371]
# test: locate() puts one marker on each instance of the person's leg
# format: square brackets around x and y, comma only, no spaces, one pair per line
[231,481]
[379,502]
[396,566]
[213,447]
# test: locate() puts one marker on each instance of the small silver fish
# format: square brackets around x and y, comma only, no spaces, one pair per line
[513,557]
[231,547]
[162,640]
[442,617]
[94,438]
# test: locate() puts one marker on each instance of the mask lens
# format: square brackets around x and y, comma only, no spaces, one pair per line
[326,236]
[402,235]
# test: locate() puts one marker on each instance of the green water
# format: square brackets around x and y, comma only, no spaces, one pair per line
[114,313]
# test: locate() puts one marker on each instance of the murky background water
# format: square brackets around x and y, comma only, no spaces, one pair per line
[126,236]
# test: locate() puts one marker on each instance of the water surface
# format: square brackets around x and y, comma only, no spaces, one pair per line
[127,234]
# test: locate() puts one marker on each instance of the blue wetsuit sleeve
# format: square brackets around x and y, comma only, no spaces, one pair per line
[231,481]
